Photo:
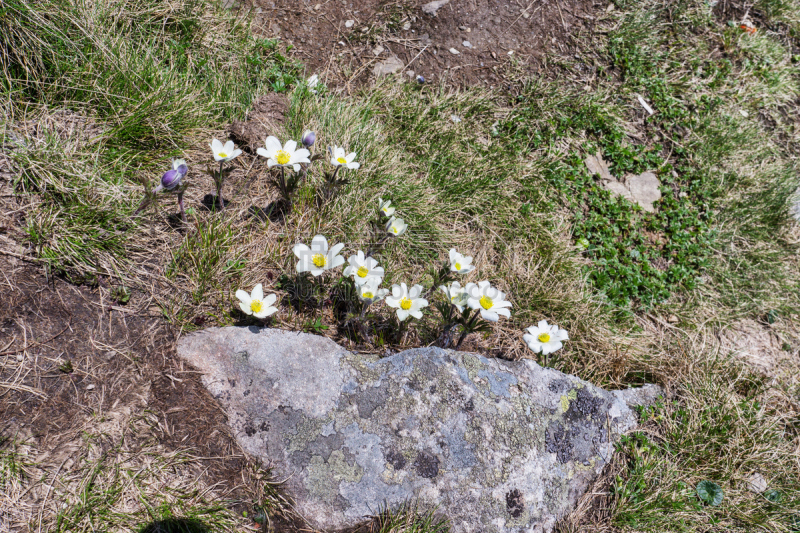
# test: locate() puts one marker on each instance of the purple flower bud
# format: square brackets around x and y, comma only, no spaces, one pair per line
[172,178]
[308,138]
[182,170]
[420,79]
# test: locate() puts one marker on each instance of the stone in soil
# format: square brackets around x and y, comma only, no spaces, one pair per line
[388,66]
[497,446]
[265,117]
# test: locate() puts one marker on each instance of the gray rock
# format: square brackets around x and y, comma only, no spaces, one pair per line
[498,446]
[388,66]
[432,7]
[644,190]
[795,209]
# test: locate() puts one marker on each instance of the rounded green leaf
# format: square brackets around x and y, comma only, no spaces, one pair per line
[710,492]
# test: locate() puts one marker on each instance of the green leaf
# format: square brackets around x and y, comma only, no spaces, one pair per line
[710,492]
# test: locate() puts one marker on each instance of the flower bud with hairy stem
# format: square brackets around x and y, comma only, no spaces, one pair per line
[309,137]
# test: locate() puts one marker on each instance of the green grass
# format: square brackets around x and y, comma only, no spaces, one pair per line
[142,78]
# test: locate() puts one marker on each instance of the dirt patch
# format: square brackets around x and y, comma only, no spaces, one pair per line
[78,368]
[763,347]
[343,41]
[266,114]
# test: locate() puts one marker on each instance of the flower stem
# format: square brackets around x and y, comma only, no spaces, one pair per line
[180,205]
[219,186]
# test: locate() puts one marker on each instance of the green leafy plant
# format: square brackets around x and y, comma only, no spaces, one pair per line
[710,492]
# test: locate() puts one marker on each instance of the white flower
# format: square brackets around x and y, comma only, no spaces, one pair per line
[369,291]
[460,263]
[545,338]
[255,304]
[339,159]
[488,300]
[284,156]
[396,226]
[456,295]
[407,301]
[224,153]
[318,258]
[384,207]
[363,268]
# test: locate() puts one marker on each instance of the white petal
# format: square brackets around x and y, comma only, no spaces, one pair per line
[415,313]
[273,145]
[401,314]
[393,301]
[296,168]
[349,271]
[353,166]
[262,152]
[236,153]
[270,299]
[337,248]
[397,291]
[317,271]
[290,146]
[301,250]
[243,296]
[453,255]
[271,163]
[489,315]
[319,244]
[258,293]
[228,148]
[543,326]
[334,262]
[303,266]
[338,152]
[245,308]
[550,347]
[561,335]
[300,156]
[534,331]
[216,146]
[505,312]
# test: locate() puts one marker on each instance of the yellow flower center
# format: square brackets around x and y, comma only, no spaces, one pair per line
[255,306]
[544,337]
[282,157]
[341,160]
[405,304]
[319,260]
[393,229]
[223,155]
[367,295]
[486,302]
[458,266]
[362,272]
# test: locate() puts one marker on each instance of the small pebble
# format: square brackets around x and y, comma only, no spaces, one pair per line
[410,74]
[454,51]
[349,23]
[467,44]
[317,7]
[378,50]
[455,118]
[407,26]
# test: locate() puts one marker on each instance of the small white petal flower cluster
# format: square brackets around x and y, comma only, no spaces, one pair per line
[226,152]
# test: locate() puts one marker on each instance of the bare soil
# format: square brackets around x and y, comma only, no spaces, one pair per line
[342,41]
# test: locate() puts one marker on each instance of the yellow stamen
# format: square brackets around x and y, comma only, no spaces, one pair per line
[223,155]
[544,337]
[367,295]
[319,260]
[486,302]
[255,306]
[341,160]
[458,266]
[362,272]
[405,304]
[282,157]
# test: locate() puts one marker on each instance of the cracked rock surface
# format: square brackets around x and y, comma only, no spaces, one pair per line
[498,446]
